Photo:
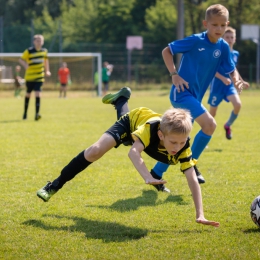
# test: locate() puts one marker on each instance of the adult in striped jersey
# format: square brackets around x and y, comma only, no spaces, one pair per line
[36,64]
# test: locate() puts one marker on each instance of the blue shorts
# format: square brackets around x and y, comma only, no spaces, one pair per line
[186,100]
[219,93]
[36,86]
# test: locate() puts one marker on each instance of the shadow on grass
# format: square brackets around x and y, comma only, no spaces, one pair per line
[107,231]
[252,230]
[10,121]
[213,150]
[148,198]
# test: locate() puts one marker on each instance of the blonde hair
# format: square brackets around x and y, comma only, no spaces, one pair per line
[218,10]
[38,36]
[230,30]
[176,120]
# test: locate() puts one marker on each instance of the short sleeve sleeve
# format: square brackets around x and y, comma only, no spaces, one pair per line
[25,55]
[143,134]
[183,45]
[186,159]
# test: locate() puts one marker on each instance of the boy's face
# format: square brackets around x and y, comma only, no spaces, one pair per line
[38,42]
[230,38]
[216,26]
[173,142]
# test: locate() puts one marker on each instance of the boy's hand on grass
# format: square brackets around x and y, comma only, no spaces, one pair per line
[207,222]
[153,181]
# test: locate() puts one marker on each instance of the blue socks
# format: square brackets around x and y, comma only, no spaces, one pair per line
[160,168]
[200,142]
[231,119]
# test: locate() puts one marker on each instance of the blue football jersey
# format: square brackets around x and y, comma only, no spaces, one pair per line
[201,60]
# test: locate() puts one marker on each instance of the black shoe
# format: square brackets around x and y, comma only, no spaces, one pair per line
[24,116]
[159,187]
[201,179]
[38,117]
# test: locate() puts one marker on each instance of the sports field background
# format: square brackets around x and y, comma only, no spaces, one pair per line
[107,212]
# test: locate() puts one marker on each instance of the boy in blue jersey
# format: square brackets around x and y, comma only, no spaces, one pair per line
[202,55]
[222,88]
[163,137]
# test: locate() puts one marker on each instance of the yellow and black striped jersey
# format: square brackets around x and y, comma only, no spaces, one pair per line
[144,124]
[35,60]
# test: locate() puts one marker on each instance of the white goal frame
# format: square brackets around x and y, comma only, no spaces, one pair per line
[71,54]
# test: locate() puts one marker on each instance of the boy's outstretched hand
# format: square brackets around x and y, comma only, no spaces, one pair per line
[207,222]
[153,181]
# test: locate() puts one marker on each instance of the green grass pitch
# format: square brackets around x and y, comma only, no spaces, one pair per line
[107,212]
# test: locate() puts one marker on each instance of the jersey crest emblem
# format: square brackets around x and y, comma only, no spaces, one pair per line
[216,53]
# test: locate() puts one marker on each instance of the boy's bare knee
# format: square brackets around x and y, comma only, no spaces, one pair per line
[210,126]
[237,108]
[93,153]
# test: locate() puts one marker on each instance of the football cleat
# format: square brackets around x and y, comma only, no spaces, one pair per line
[38,117]
[111,98]
[46,192]
[159,187]
[200,178]
[228,132]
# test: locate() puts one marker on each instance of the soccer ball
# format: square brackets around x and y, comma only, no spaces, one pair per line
[255,211]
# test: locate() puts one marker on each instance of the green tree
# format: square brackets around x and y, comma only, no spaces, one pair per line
[77,21]
[161,21]
[138,14]
[114,21]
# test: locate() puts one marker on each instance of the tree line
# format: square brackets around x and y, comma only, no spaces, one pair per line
[111,21]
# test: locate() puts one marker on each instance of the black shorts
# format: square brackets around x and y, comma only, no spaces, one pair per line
[120,131]
[105,85]
[63,84]
[36,86]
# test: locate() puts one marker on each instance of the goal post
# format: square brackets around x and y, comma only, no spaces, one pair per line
[83,67]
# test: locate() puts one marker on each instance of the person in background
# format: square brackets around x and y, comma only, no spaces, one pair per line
[17,82]
[64,79]
[36,64]
[106,73]
[96,81]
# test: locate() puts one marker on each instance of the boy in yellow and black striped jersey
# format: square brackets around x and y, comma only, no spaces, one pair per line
[163,137]
[36,64]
